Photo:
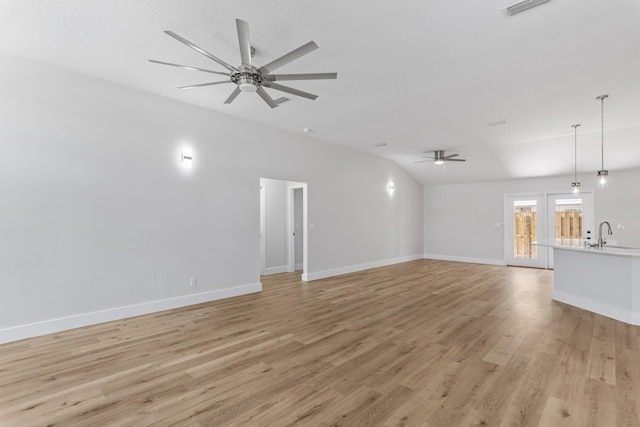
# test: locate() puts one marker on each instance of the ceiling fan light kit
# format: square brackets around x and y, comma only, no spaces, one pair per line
[247,83]
[249,78]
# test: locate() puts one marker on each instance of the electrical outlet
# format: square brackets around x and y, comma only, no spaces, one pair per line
[192,282]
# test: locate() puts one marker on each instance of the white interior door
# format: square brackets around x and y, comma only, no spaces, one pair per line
[569,218]
[525,223]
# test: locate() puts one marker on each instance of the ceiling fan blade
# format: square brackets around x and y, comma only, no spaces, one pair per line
[200,50]
[233,95]
[245,44]
[291,90]
[310,76]
[264,95]
[450,156]
[422,161]
[289,57]
[204,84]
[187,67]
[455,160]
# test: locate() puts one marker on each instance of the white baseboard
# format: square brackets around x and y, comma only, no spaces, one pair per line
[358,267]
[299,266]
[471,260]
[275,270]
[598,307]
[30,330]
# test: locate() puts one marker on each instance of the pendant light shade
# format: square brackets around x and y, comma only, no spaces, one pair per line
[575,185]
[603,174]
[603,178]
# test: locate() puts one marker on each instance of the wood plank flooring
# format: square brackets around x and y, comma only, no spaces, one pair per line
[424,343]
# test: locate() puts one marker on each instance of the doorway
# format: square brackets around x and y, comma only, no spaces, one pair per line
[283,225]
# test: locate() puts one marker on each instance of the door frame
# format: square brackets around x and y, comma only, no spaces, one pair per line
[291,226]
[541,260]
[263,242]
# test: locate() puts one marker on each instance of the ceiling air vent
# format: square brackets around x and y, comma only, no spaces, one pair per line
[521,6]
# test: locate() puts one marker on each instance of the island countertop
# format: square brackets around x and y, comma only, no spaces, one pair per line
[578,245]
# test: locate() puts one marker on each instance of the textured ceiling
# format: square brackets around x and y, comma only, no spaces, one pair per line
[418,75]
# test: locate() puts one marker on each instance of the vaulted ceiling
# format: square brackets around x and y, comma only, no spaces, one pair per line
[417,75]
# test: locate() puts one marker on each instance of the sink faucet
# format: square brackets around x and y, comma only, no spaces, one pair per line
[602,241]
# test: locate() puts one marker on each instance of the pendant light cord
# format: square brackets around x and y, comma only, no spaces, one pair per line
[602,98]
[575,153]
[602,131]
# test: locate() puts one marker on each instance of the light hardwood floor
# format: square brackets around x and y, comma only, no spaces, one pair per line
[424,343]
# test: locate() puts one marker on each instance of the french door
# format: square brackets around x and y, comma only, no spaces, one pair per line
[525,224]
[554,217]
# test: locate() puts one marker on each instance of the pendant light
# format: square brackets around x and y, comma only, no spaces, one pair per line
[575,185]
[602,173]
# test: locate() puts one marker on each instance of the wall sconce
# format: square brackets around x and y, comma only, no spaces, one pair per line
[391,187]
[187,158]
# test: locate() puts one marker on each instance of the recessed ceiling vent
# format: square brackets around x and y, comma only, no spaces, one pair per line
[521,6]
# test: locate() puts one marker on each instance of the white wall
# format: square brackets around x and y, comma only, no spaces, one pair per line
[99,221]
[460,219]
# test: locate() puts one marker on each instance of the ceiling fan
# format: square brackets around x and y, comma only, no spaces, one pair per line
[439,158]
[246,76]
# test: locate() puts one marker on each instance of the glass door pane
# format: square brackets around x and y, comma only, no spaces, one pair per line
[572,218]
[568,218]
[525,224]
[525,213]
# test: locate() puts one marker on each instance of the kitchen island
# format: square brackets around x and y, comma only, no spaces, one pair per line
[602,280]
